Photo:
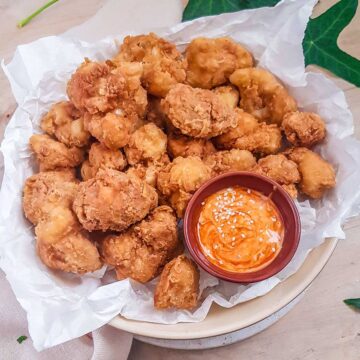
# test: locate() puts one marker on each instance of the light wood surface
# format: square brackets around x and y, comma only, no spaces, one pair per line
[320,326]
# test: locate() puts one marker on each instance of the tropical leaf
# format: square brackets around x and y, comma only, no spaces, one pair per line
[197,8]
[320,42]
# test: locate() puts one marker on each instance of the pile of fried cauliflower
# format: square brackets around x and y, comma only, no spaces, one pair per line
[139,135]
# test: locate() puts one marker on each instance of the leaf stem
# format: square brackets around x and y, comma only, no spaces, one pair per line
[25,21]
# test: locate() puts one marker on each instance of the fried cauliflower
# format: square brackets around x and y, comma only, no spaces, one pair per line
[52,154]
[163,64]
[178,286]
[113,201]
[212,61]
[140,252]
[262,95]
[197,112]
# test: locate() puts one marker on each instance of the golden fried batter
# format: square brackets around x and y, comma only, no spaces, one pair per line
[262,95]
[230,160]
[252,136]
[212,61]
[317,175]
[52,154]
[101,157]
[178,286]
[303,128]
[100,87]
[112,129]
[147,143]
[140,251]
[63,245]
[228,95]
[65,123]
[163,64]
[197,112]
[181,145]
[180,179]
[149,171]
[281,170]
[47,190]
[113,201]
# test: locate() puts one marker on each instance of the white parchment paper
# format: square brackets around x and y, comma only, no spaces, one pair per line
[64,306]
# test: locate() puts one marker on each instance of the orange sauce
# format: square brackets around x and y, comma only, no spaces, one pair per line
[240,230]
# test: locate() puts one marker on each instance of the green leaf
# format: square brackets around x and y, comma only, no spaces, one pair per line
[353,302]
[320,42]
[197,8]
[21,338]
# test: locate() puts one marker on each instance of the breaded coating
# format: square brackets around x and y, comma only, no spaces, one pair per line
[304,128]
[280,169]
[181,145]
[101,157]
[155,113]
[212,61]
[230,160]
[102,87]
[198,113]
[46,190]
[228,95]
[112,129]
[63,245]
[64,122]
[262,95]
[148,143]
[163,64]
[52,154]
[180,179]
[317,175]
[178,286]
[291,190]
[140,251]
[113,201]
[149,172]
[250,135]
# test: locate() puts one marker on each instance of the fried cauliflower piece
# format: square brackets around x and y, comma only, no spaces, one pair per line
[102,87]
[113,201]
[180,179]
[149,172]
[148,143]
[52,154]
[280,169]
[46,190]
[212,61]
[303,128]
[250,135]
[178,286]
[317,175]
[101,157]
[181,145]
[230,160]
[197,112]
[262,95]
[112,129]
[163,64]
[140,251]
[228,95]
[65,123]
[63,245]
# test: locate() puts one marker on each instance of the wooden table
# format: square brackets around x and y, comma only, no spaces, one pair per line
[320,326]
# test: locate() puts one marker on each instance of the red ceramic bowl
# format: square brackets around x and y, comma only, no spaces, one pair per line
[264,185]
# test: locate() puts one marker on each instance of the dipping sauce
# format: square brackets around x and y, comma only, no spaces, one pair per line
[240,230]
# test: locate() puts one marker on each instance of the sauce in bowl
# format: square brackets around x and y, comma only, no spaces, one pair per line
[240,230]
